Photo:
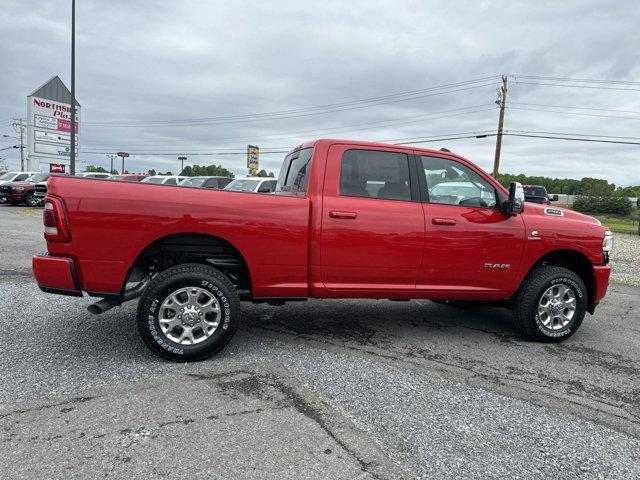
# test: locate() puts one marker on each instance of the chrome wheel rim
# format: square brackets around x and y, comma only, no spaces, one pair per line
[557,307]
[32,201]
[189,315]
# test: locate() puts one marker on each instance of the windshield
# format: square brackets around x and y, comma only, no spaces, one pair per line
[152,180]
[243,185]
[192,182]
[8,176]
[535,191]
[38,177]
[295,171]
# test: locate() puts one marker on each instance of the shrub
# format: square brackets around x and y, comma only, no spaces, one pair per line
[615,205]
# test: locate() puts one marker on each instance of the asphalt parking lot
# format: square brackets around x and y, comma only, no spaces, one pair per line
[333,389]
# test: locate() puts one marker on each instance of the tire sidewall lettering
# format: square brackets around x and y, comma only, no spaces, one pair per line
[153,313]
[577,290]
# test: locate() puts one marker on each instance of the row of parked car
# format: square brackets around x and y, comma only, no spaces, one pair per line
[30,188]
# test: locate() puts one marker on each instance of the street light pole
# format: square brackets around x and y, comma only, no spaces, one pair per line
[111,157]
[182,159]
[72,131]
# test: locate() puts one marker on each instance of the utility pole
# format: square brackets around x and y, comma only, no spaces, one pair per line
[18,126]
[72,170]
[182,158]
[502,100]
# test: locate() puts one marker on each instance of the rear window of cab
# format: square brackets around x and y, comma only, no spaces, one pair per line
[294,173]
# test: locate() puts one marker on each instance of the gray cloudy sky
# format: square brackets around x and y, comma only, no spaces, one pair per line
[140,62]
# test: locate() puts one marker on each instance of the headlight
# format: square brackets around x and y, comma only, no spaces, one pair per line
[607,242]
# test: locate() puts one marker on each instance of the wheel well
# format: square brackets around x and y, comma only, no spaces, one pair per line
[578,264]
[180,248]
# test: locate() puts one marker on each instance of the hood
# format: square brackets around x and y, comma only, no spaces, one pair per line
[551,211]
[17,184]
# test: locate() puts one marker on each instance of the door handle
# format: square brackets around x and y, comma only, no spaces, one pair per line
[343,215]
[443,221]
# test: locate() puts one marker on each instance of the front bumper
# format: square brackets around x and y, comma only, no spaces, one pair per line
[601,275]
[12,197]
[56,275]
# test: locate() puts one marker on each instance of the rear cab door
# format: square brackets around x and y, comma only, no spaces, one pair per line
[372,223]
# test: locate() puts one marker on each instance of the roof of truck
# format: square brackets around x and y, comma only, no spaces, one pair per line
[313,143]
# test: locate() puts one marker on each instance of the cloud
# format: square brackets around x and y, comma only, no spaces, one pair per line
[154,61]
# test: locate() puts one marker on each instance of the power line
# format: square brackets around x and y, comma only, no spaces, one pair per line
[519,82]
[531,134]
[575,134]
[575,113]
[366,126]
[581,80]
[573,139]
[181,152]
[574,108]
[264,117]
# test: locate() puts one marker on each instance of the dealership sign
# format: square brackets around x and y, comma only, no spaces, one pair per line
[49,123]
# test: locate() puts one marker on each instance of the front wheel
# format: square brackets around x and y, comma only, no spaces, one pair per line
[550,305]
[31,200]
[188,312]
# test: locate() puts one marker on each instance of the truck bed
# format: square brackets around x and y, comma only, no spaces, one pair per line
[111,223]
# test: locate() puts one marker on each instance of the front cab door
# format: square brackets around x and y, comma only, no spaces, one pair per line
[372,221]
[470,246]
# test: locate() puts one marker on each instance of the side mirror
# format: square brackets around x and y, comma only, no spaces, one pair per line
[515,203]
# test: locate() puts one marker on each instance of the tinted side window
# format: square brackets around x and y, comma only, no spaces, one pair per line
[171,181]
[452,183]
[21,177]
[211,183]
[375,174]
[223,182]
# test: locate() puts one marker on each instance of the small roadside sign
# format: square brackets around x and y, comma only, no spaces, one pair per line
[253,157]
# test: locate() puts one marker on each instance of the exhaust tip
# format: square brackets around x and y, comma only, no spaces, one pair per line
[94,309]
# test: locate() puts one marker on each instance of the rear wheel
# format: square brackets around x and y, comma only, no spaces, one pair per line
[188,312]
[550,304]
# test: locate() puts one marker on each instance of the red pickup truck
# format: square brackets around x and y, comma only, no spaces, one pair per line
[348,220]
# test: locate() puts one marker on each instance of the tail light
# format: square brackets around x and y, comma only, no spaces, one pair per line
[56,228]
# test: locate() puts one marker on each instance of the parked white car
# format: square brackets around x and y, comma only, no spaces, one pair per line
[163,179]
[93,175]
[253,184]
[15,176]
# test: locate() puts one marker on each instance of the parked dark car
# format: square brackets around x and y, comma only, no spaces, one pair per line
[215,183]
[14,193]
[538,194]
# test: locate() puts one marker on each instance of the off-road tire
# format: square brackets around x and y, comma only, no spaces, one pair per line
[525,308]
[168,281]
